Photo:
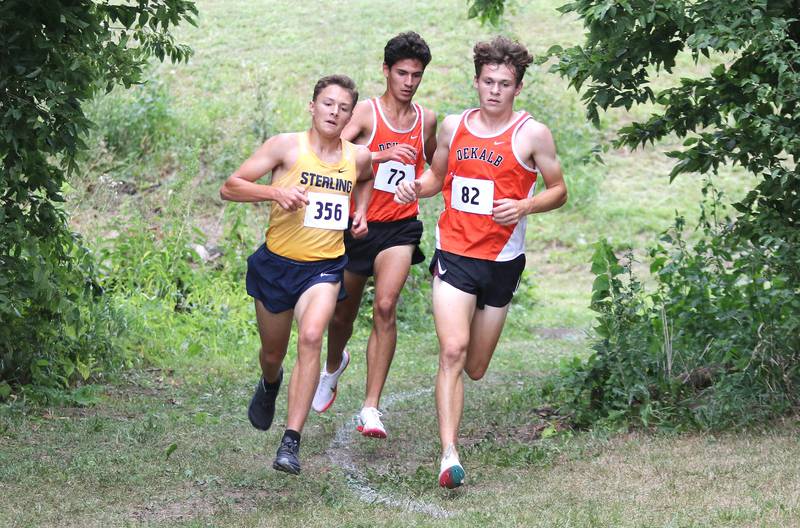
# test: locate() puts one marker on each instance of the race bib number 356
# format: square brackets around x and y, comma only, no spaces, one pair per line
[472,195]
[327,211]
[391,173]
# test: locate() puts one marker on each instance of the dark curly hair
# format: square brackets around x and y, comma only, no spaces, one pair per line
[339,80]
[501,50]
[408,45]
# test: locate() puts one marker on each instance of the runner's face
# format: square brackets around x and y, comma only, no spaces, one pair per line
[497,87]
[331,110]
[403,78]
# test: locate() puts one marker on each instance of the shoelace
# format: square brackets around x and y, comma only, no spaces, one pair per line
[372,413]
[291,444]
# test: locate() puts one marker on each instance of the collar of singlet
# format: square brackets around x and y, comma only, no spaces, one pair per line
[377,102]
[518,118]
[306,144]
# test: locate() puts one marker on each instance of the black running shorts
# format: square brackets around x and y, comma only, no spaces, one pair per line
[361,253]
[493,283]
[278,282]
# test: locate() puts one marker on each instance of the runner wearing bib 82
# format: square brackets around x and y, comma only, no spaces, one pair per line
[486,164]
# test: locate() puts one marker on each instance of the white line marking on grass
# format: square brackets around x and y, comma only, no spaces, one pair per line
[339,455]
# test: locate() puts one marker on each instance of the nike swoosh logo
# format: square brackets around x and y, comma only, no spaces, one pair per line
[323,275]
[413,137]
[442,271]
[499,142]
[342,170]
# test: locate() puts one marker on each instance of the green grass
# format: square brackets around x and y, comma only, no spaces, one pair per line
[149,193]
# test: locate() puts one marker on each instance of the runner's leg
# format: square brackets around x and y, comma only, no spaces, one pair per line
[341,326]
[453,310]
[391,271]
[274,330]
[485,330]
[313,312]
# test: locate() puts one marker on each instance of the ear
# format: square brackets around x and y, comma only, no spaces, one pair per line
[311,107]
[385,70]
[518,89]
[475,82]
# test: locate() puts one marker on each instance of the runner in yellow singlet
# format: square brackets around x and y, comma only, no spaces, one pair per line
[297,272]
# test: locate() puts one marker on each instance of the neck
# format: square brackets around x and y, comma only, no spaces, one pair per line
[394,107]
[327,148]
[495,119]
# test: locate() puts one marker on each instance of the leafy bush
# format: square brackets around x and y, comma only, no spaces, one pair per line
[715,344]
[54,57]
[57,328]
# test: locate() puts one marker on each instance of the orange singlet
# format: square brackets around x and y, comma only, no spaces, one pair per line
[382,207]
[481,169]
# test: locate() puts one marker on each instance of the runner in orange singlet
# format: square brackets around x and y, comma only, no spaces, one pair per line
[401,135]
[486,164]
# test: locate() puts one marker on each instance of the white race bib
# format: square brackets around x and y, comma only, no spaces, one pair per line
[391,173]
[472,195]
[327,211]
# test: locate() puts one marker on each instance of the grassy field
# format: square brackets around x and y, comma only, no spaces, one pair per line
[166,441]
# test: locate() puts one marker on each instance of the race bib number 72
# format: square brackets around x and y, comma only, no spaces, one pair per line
[327,211]
[472,195]
[391,173]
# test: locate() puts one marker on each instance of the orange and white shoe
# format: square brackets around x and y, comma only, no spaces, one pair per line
[451,473]
[369,423]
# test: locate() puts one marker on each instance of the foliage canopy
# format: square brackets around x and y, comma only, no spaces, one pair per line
[716,342]
[54,56]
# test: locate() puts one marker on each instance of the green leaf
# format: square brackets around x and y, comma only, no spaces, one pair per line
[83,369]
[171,449]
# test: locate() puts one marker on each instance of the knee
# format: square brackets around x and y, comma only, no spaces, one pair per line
[475,373]
[452,355]
[310,338]
[272,355]
[341,322]
[384,310]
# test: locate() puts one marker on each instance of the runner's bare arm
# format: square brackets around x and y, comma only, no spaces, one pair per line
[362,192]
[539,150]
[429,124]
[241,186]
[432,180]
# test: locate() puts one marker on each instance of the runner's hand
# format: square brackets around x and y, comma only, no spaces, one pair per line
[508,212]
[359,228]
[407,191]
[401,152]
[292,199]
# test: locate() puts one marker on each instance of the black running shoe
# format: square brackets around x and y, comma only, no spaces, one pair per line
[286,458]
[262,405]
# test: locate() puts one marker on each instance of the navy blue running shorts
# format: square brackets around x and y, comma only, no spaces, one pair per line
[361,253]
[278,282]
[493,283]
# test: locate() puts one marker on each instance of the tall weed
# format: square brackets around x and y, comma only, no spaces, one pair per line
[134,122]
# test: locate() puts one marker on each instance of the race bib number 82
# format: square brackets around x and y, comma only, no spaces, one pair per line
[472,195]
[327,211]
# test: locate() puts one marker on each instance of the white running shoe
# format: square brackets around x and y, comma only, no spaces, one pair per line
[369,423]
[451,474]
[326,388]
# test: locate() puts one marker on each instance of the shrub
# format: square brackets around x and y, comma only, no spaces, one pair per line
[716,343]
